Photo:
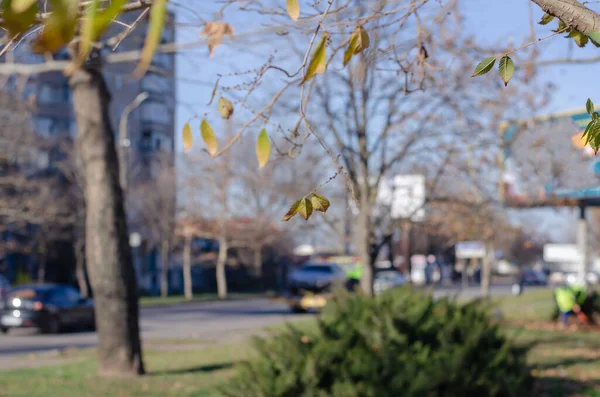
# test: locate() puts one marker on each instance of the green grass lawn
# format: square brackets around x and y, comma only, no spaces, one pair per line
[564,363]
[537,304]
[179,299]
[179,373]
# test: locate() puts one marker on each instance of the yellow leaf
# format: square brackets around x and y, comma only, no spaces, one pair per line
[293,9]
[263,148]
[354,38]
[19,6]
[214,32]
[225,107]
[209,137]
[363,42]
[95,22]
[214,91]
[158,14]
[305,208]
[19,15]
[59,27]
[292,211]
[320,203]
[188,138]
[318,60]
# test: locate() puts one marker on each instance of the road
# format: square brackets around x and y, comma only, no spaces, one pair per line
[208,321]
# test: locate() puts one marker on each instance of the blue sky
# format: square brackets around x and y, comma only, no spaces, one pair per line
[490,22]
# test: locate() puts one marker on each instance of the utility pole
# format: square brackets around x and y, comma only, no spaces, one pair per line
[124,141]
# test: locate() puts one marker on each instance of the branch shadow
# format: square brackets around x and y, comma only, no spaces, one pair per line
[202,368]
[560,387]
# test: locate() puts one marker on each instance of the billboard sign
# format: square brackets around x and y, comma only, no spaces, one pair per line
[404,195]
[561,253]
[470,249]
[546,161]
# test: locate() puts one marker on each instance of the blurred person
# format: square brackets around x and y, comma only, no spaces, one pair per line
[569,300]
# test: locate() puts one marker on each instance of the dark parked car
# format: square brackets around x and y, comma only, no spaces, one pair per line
[49,307]
[533,277]
[4,287]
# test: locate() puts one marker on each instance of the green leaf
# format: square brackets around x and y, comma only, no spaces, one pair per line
[589,106]
[305,208]
[293,9]
[59,27]
[158,14]
[188,138]
[263,148]
[208,135]
[546,19]
[320,203]
[19,15]
[318,60]
[595,115]
[580,39]
[595,37]
[225,108]
[561,26]
[484,66]
[95,23]
[292,211]
[587,133]
[506,69]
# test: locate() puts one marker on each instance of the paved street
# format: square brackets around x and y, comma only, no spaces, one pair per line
[209,321]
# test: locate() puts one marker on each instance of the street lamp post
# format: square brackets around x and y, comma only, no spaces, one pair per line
[124,141]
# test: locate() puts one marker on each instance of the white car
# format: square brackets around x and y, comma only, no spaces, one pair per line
[388,279]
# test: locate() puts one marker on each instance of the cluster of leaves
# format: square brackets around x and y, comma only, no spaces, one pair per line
[506,68]
[580,38]
[61,24]
[400,344]
[358,42]
[592,131]
[305,206]
[263,143]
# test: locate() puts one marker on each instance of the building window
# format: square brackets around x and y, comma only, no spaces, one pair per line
[119,82]
[146,142]
[153,112]
[50,126]
[53,94]
[153,82]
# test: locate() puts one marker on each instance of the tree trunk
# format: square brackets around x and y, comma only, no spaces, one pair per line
[258,261]
[43,253]
[80,268]
[108,254]
[486,271]
[187,267]
[363,245]
[221,261]
[164,274]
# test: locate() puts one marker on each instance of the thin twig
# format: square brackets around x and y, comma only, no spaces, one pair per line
[126,33]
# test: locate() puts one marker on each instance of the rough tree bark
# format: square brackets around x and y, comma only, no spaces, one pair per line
[43,253]
[258,261]
[363,246]
[164,274]
[221,261]
[109,259]
[187,267]
[80,267]
[573,13]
